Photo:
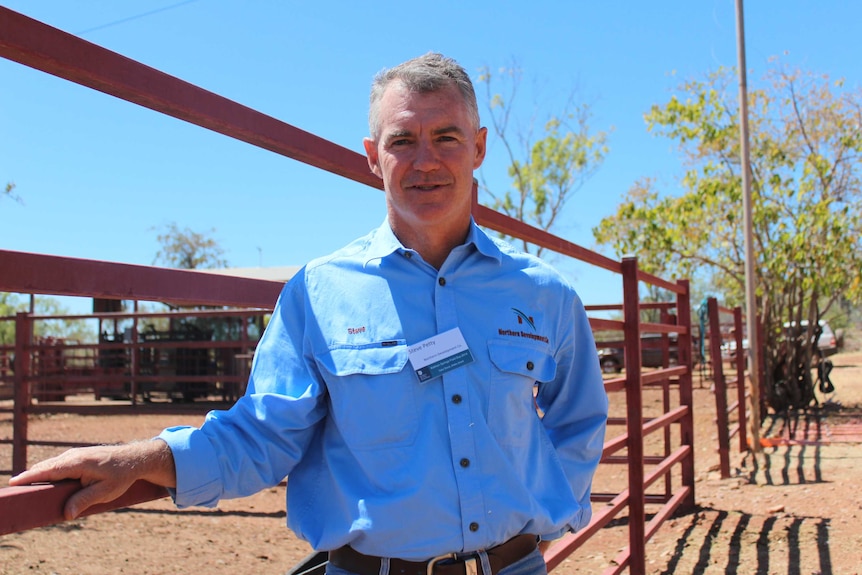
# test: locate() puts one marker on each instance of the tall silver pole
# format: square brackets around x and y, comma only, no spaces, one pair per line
[750,279]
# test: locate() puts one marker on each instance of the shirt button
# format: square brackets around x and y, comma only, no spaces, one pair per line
[474,526]
[441,281]
[530,365]
[456,398]
[408,255]
[465,462]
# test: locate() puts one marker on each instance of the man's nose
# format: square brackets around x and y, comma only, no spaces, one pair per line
[426,158]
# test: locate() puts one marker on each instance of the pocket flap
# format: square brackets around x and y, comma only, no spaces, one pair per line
[523,358]
[370,359]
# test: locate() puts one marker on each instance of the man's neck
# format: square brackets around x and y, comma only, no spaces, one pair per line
[434,245]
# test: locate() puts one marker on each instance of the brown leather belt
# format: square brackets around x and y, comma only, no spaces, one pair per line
[499,557]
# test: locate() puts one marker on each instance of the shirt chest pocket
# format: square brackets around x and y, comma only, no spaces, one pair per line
[373,397]
[515,369]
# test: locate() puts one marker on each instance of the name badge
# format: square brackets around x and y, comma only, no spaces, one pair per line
[436,355]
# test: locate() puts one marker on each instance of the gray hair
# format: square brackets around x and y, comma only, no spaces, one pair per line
[427,73]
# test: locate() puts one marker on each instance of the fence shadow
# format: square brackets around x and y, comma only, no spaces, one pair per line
[750,544]
[713,540]
[794,464]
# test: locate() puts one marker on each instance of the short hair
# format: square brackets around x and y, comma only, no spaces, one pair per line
[427,73]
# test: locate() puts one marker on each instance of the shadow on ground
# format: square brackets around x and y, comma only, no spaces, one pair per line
[751,542]
[772,516]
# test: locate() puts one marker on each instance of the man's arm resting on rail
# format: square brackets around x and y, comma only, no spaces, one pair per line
[105,471]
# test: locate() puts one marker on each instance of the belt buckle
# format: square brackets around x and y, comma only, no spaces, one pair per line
[470,566]
[432,562]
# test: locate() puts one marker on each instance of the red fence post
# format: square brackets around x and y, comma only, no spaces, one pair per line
[134,357]
[23,339]
[667,317]
[761,368]
[741,359]
[685,349]
[720,387]
[634,418]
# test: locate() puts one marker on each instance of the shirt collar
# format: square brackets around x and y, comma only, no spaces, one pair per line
[484,244]
[384,243]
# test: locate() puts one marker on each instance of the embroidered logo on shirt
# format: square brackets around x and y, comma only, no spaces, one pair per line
[355,330]
[523,319]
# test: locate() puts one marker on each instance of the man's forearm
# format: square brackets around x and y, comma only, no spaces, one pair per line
[155,462]
[105,471]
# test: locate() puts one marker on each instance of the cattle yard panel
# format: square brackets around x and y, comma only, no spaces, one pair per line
[42,47]
[142,355]
[652,453]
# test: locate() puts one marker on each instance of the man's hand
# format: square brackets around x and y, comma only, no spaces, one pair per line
[105,472]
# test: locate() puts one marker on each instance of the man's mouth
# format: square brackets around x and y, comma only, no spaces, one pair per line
[427,187]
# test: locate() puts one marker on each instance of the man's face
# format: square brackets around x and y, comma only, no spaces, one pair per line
[426,153]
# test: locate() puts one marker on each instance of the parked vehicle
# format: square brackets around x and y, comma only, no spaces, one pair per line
[827,342]
[612,359]
[728,349]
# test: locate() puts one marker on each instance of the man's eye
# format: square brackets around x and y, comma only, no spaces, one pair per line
[401,142]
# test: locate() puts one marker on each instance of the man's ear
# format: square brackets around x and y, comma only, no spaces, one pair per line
[481,147]
[373,157]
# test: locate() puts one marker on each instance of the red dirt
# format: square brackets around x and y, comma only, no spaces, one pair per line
[793,509]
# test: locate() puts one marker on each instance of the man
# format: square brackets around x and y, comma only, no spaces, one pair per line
[398,380]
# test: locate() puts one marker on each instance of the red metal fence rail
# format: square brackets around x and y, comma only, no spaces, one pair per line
[155,352]
[726,345]
[45,48]
[138,364]
[634,499]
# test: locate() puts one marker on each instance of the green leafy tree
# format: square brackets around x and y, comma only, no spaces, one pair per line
[188,249]
[70,329]
[9,306]
[545,169]
[805,150]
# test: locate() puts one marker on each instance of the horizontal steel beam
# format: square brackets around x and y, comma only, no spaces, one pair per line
[35,44]
[58,275]
[35,506]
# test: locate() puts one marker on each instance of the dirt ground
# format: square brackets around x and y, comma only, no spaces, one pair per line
[793,509]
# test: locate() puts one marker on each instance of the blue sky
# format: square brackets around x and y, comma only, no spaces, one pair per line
[97,174]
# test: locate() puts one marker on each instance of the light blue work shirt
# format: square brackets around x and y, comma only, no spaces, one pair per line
[389,465]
